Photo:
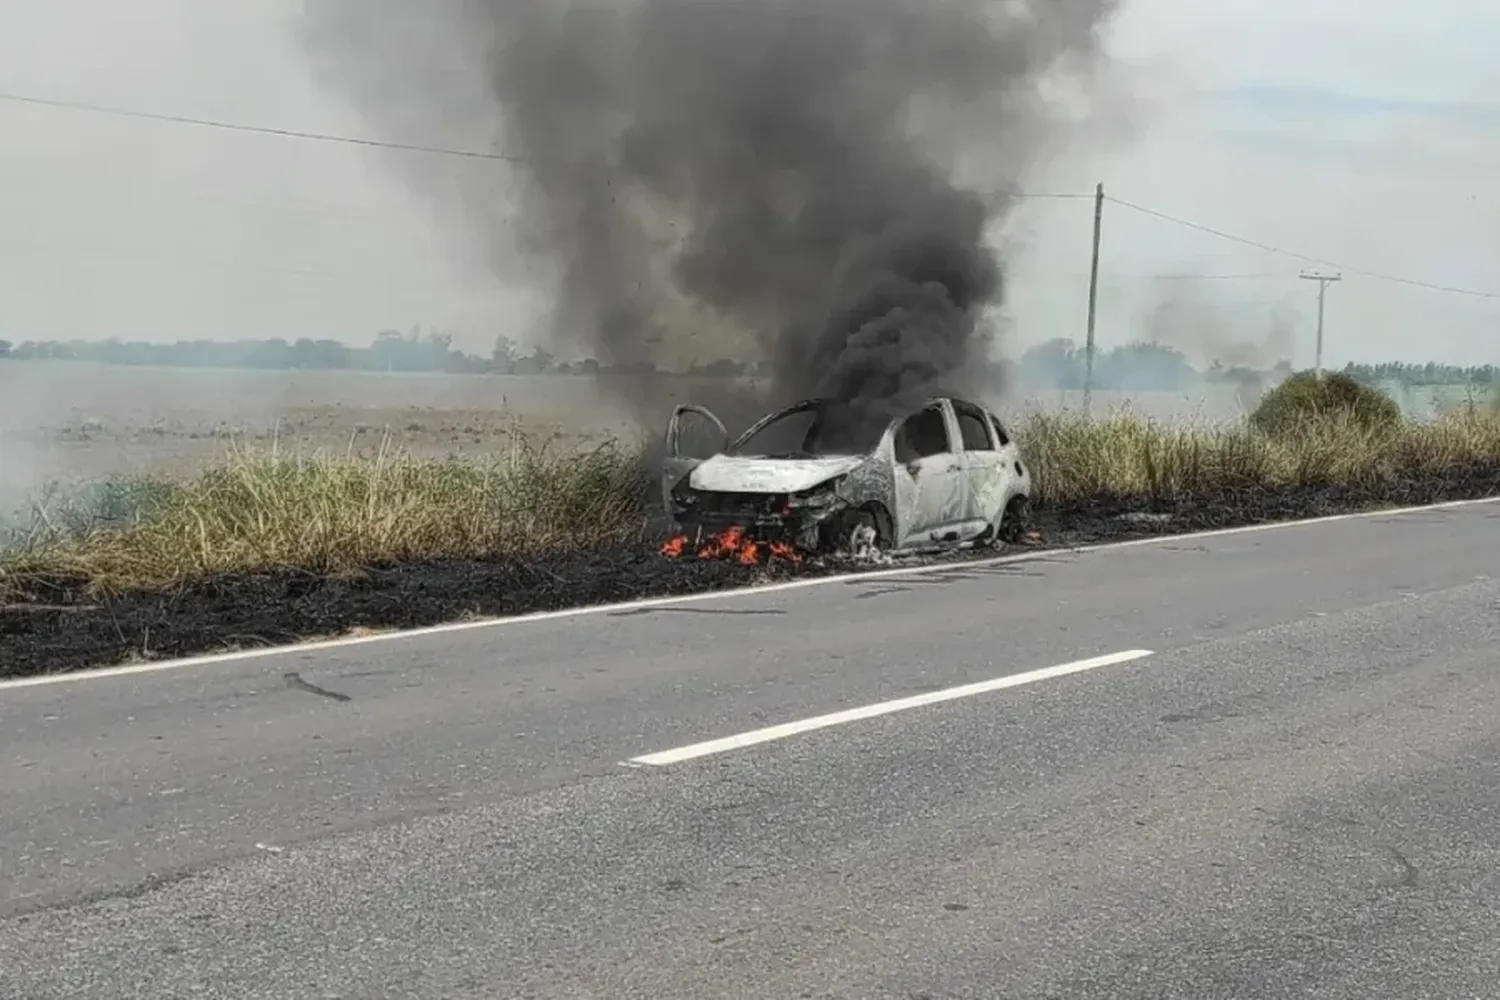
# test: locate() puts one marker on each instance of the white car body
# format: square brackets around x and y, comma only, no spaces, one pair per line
[946,475]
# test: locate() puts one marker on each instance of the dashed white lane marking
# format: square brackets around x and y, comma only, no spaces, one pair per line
[787,729]
[729,594]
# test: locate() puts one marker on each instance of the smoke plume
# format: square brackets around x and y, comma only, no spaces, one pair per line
[1209,329]
[804,183]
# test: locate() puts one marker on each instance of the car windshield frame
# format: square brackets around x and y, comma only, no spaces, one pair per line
[819,407]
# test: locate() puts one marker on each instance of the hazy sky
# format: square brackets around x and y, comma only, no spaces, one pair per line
[1367,134]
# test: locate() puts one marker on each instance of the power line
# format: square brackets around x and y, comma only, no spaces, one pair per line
[100,109]
[1116,277]
[1450,289]
[260,129]
[471,154]
[1247,276]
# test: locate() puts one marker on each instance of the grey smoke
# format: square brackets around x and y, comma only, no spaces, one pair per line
[803,182]
[1248,337]
[1209,327]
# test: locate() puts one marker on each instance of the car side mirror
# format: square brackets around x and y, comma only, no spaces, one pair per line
[914,466]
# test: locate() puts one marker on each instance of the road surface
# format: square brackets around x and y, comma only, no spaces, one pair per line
[1296,794]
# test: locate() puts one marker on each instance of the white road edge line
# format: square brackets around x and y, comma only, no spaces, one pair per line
[732,593]
[787,729]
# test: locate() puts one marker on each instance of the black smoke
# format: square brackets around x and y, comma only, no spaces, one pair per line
[807,183]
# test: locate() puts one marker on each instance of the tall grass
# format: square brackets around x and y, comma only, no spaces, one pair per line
[1074,458]
[264,510]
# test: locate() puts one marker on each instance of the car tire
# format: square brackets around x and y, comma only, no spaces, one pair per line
[857,533]
[1015,521]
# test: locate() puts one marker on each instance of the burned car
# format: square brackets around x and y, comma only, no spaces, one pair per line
[945,475]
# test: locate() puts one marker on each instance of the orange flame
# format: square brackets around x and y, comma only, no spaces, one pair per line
[732,544]
[723,545]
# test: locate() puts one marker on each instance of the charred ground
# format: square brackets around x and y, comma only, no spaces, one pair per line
[55,627]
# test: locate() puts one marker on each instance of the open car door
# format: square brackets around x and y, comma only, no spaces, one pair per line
[693,435]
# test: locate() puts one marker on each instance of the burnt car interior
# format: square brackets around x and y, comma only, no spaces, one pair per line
[817,429]
[920,435]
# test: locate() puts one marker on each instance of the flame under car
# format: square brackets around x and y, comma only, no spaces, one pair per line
[946,475]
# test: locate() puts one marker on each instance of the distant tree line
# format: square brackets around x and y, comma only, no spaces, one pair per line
[1432,373]
[1055,364]
[1141,366]
[1061,364]
[391,350]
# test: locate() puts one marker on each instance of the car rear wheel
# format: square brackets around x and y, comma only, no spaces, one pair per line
[1015,522]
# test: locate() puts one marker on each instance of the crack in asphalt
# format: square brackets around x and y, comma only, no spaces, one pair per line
[294,681]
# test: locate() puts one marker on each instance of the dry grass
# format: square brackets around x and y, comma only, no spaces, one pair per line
[1074,458]
[262,510]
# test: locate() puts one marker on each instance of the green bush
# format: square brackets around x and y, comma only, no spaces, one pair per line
[1307,398]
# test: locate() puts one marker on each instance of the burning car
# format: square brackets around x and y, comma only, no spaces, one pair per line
[945,475]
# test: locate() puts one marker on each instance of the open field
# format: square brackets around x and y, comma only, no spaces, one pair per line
[266,547]
[75,421]
[244,508]
[82,421]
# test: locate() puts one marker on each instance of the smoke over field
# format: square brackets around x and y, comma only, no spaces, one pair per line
[806,183]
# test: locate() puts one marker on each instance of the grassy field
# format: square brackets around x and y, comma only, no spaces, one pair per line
[70,422]
[1075,459]
[76,421]
[330,513]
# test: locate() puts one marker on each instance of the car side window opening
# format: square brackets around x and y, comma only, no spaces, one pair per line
[972,429]
[1000,434]
[921,435]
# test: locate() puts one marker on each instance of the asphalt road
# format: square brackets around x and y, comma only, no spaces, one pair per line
[1296,795]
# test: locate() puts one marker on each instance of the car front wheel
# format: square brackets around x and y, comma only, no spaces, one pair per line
[857,533]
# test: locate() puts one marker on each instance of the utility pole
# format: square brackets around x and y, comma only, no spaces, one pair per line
[1088,347]
[1323,280]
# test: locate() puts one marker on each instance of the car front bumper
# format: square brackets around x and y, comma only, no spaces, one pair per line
[762,517]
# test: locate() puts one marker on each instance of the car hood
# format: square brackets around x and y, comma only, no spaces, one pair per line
[731,474]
